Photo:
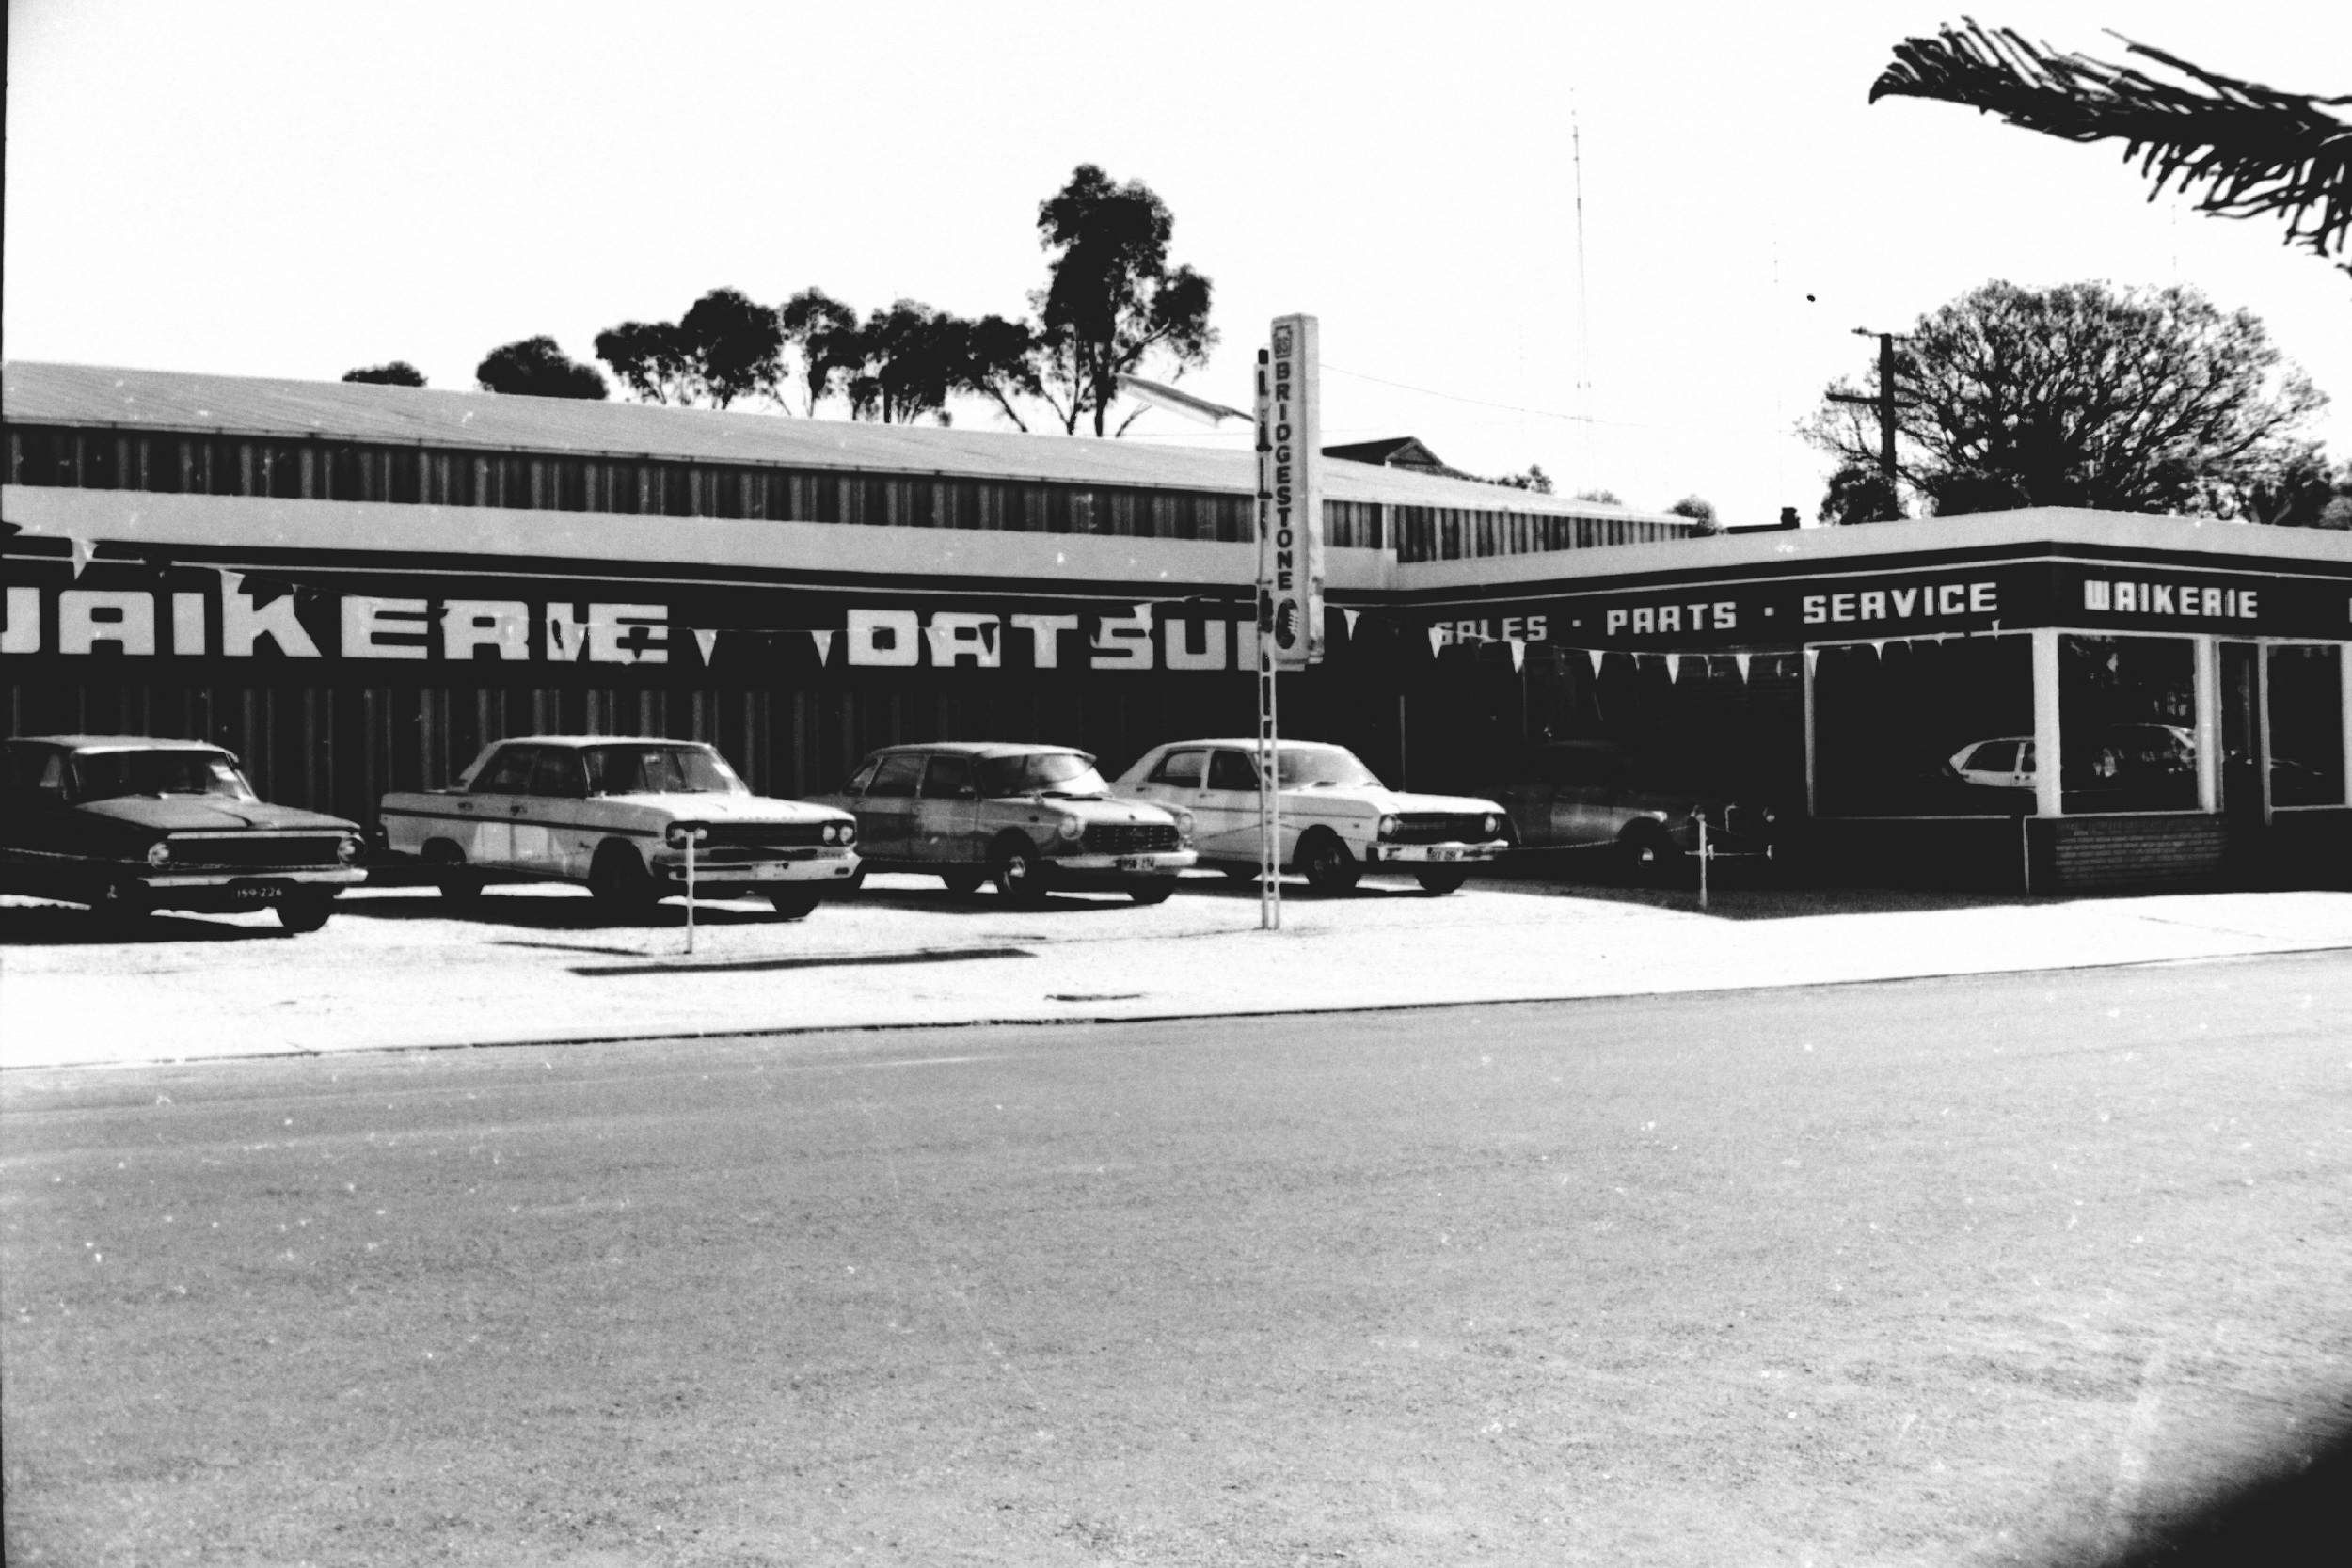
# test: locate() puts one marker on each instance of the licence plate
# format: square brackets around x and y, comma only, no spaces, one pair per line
[257,892]
[1130,863]
[1445,854]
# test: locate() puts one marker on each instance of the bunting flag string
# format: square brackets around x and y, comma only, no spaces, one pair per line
[824,645]
[85,551]
[1673,668]
[1595,655]
[1519,653]
[1742,660]
[1436,640]
[706,641]
[1878,648]
[1352,616]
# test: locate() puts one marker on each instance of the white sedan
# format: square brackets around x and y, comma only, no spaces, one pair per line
[1338,818]
[618,815]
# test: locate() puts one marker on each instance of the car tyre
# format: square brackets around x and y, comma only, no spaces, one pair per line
[1442,879]
[794,903]
[964,880]
[305,912]
[1154,890]
[1018,871]
[1324,862]
[618,880]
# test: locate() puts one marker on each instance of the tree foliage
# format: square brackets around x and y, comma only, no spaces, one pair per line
[1858,494]
[1534,479]
[1700,510]
[536,367]
[724,349]
[2241,149]
[1111,300]
[1607,497]
[400,372]
[824,334]
[2081,395]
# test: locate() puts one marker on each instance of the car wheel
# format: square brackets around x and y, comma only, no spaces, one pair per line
[618,880]
[305,912]
[1442,879]
[1019,874]
[964,880]
[794,903]
[1642,855]
[1155,890]
[1325,863]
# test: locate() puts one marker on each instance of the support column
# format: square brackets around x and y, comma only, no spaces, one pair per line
[2046,799]
[2208,651]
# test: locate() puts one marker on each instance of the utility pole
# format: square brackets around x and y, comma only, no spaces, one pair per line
[1888,402]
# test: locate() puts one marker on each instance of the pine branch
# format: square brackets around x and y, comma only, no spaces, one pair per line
[2241,150]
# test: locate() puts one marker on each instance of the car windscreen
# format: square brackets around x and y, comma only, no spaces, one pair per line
[1070,773]
[1332,766]
[660,771]
[106,775]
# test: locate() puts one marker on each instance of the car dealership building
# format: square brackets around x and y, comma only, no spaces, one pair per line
[355,587]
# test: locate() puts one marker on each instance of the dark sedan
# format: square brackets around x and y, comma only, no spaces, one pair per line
[127,824]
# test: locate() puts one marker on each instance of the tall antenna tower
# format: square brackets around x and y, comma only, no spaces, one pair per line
[1584,309]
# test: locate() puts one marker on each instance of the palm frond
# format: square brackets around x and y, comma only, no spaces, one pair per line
[2241,150]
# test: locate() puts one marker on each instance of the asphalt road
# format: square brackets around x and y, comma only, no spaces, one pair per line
[1981,1270]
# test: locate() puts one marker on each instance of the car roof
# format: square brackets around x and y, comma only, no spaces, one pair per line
[596,740]
[119,743]
[980,749]
[1242,744]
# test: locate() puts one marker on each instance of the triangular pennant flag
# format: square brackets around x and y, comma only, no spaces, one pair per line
[85,551]
[1143,612]
[824,645]
[1878,647]
[1595,655]
[706,641]
[1673,667]
[1351,616]
[1436,640]
[1742,660]
[1812,658]
[1519,655]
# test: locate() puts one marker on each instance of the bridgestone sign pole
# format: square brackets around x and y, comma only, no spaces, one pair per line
[1290,561]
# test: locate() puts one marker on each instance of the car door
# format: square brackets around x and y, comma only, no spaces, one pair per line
[1175,780]
[947,813]
[35,821]
[1586,797]
[489,807]
[1225,819]
[1526,793]
[885,813]
[549,829]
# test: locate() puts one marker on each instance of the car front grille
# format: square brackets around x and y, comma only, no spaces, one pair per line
[1441,827]
[763,836]
[256,853]
[1130,838]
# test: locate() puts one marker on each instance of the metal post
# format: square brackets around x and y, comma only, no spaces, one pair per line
[691,836]
[1704,857]
[1887,423]
[1269,796]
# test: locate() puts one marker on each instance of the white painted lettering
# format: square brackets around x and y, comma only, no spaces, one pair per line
[366,620]
[1873,606]
[2097,594]
[22,634]
[1984,598]
[1645,620]
[1726,614]
[1841,607]
[1045,637]
[629,634]
[1906,599]
[1815,609]
[956,635]
[1614,622]
[1177,635]
[1123,642]
[89,616]
[187,624]
[890,638]
[244,623]
[468,626]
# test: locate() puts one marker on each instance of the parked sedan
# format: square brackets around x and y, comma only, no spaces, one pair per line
[127,824]
[618,815]
[1031,817]
[1564,793]
[1338,818]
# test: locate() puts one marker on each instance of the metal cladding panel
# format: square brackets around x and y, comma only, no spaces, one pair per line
[86,396]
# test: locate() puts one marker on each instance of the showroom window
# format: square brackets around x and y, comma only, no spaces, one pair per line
[2127,723]
[1899,729]
[2306,693]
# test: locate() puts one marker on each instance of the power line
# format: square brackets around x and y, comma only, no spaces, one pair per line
[1543,413]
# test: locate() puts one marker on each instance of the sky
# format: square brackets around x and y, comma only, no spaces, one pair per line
[294,190]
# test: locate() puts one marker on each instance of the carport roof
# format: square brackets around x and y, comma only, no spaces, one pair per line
[85,396]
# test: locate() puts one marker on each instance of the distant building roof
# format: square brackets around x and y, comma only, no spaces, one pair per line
[255,407]
[1398,452]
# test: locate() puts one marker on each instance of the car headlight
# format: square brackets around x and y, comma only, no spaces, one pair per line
[830,833]
[1184,824]
[348,850]
[159,854]
[1489,823]
[1388,827]
[1072,829]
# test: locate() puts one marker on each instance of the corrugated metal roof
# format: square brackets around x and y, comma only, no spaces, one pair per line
[87,395]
